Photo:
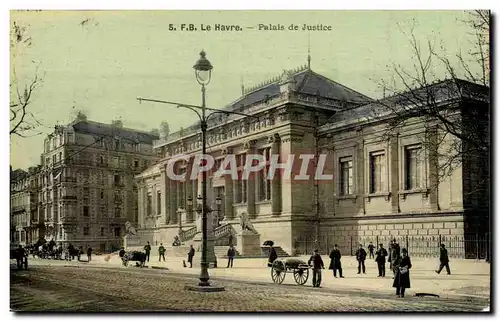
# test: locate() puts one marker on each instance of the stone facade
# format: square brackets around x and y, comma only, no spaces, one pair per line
[381,186]
[85,187]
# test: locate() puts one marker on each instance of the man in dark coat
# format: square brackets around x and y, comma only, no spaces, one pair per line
[89,254]
[361,257]
[272,256]
[394,256]
[335,263]
[20,256]
[147,249]
[370,249]
[190,256]
[231,252]
[317,266]
[380,259]
[402,278]
[444,261]
[161,252]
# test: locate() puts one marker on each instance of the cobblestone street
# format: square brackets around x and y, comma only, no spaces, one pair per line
[99,289]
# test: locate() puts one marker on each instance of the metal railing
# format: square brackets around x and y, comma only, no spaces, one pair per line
[464,247]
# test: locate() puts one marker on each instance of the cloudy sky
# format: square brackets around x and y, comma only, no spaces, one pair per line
[101,61]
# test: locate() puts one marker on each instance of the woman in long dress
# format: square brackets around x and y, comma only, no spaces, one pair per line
[402,277]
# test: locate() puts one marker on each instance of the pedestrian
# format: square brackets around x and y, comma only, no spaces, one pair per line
[231,252]
[335,263]
[20,257]
[402,278]
[444,261]
[89,254]
[361,257]
[191,255]
[394,256]
[272,256]
[147,249]
[380,259]
[80,253]
[161,252]
[370,250]
[317,266]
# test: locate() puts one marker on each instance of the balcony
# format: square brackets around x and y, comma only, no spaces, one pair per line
[119,184]
[68,198]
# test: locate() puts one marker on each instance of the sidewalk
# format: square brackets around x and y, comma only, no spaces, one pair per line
[468,277]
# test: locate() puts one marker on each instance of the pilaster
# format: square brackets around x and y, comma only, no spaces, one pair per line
[228,191]
[250,149]
[394,170]
[360,174]
[276,201]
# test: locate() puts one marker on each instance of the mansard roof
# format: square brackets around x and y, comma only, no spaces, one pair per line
[307,82]
[90,127]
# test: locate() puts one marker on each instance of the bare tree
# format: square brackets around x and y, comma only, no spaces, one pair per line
[454,110]
[23,122]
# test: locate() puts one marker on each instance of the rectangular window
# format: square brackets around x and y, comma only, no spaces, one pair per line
[412,167]
[136,163]
[150,204]
[85,211]
[104,211]
[102,231]
[117,180]
[118,212]
[117,144]
[377,172]
[346,177]
[158,203]
[86,230]
[117,231]
[102,194]
[101,159]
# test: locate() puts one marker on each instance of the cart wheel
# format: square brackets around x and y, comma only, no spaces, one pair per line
[278,272]
[301,276]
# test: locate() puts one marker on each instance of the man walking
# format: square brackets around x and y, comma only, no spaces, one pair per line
[361,257]
[370,249]
[190,256]
[317,266]
[443,260]
[231,252]
[380,259]
[161,252]
[335,263]
[89,254]
[147,249]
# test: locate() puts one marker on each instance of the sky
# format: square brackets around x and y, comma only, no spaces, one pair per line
[101,66]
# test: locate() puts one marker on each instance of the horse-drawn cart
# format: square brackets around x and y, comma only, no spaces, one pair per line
[299,268]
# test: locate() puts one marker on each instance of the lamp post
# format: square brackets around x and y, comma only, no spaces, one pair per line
[203,72]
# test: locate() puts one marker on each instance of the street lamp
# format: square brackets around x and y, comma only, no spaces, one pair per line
[203,72]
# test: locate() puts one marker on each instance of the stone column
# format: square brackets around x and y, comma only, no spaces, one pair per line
[276,205]
[140,205]
[190,192]
[165,199]
[173,201]
[394,187]
[228,191]
[250,149]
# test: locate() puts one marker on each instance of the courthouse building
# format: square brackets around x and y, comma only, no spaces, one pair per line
[382,187]
[83,192]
